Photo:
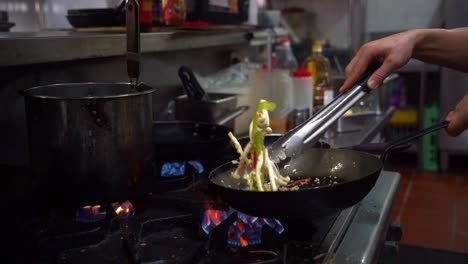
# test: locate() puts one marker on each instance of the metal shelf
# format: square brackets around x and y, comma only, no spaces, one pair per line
[42,47]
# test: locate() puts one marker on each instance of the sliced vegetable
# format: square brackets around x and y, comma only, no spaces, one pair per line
[263,174]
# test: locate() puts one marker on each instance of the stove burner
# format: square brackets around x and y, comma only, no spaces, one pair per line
[123,210]
[97,213]
[90,214]
[173,169]
[245,231]
[219,250]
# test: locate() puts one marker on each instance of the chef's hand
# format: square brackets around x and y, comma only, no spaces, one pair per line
[393,52]
[458,118]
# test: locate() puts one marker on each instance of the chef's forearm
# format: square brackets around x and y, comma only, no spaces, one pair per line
[445,47]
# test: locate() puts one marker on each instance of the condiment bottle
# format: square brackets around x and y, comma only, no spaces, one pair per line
[319,67]
[302,89]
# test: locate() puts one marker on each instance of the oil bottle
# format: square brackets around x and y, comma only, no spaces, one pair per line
[320,69]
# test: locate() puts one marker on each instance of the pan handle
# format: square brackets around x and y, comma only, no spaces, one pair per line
[378,148]
[407,139]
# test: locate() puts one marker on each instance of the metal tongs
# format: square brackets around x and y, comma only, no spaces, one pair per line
[308,133]
[132,18]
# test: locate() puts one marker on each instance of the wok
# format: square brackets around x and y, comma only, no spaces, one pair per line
[356,172]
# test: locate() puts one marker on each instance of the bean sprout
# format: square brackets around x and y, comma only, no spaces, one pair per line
[261,173]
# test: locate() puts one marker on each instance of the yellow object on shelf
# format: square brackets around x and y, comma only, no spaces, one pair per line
[404,117]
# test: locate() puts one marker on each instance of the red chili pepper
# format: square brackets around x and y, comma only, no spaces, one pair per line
[254,159]
[300,181]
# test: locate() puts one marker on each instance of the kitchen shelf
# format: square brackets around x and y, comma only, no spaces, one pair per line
[17,48]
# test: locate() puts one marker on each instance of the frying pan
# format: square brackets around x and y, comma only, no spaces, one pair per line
[356,173]
[97,17]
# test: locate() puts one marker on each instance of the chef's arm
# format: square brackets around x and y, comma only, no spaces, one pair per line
[446,47]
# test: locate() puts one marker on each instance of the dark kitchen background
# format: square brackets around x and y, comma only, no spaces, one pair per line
[416,213]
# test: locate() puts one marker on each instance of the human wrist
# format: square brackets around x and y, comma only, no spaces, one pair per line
[424,40]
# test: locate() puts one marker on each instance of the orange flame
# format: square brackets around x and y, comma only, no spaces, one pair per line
[243,242]
[122,210]
[214,216]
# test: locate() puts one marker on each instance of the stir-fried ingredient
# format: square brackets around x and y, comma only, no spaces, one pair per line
[261,173]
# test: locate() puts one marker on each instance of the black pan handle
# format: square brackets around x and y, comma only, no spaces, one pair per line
[378,148]
[407,139]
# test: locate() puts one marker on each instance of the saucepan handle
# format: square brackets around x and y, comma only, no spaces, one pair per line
[230,116]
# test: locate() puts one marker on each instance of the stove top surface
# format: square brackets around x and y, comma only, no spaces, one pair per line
[182,227]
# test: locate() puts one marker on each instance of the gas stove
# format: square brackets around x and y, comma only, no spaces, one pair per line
[185,226]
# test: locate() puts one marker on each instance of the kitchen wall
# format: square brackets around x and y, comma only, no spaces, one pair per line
[385,17]
[34,15]
[331,17]
[353,22]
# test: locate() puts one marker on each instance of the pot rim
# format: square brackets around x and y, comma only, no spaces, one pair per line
[28,92]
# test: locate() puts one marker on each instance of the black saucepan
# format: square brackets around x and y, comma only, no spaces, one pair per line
[356,173]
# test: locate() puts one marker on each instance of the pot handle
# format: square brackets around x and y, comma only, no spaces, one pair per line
[230,116]
[132,15]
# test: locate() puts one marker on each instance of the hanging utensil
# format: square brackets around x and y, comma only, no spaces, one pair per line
[132,14]
[191,85]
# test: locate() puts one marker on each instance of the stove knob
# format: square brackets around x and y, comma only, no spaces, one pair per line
[394,232]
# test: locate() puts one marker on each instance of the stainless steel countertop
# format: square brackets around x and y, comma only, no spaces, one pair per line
[362,240]
[18,48]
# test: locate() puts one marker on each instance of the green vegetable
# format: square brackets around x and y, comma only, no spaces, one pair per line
[258,137]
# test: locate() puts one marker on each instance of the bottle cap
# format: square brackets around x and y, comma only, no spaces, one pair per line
[317,47]
[285,41]
[301,73]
